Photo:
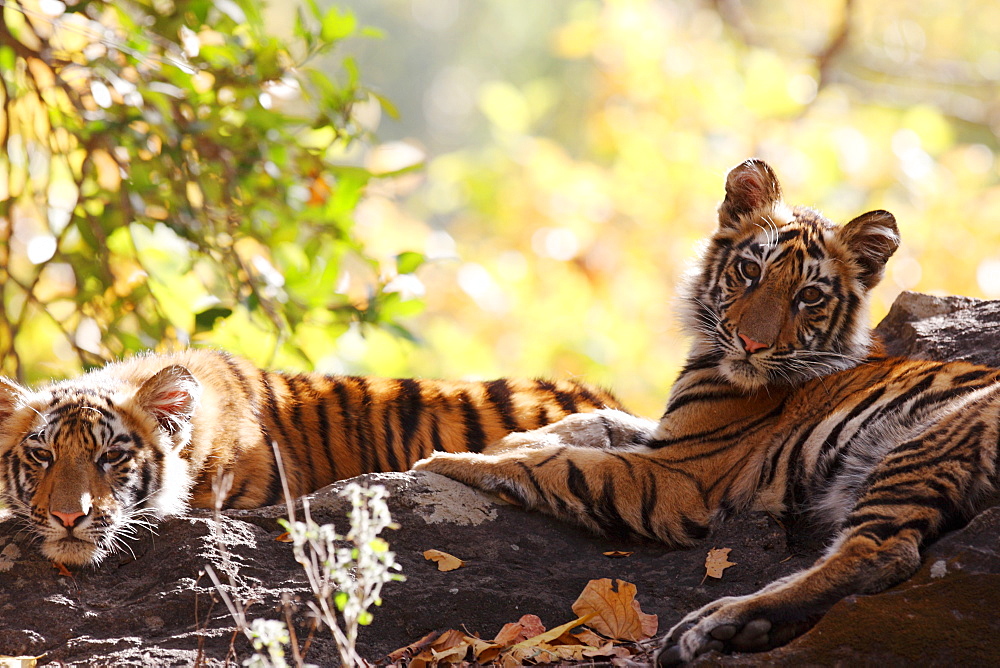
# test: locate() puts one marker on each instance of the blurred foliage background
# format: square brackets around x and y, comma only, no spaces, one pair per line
[530,211]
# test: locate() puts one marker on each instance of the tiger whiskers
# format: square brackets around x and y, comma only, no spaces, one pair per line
[23,519]
[128,528]
[830,353]
[822,362]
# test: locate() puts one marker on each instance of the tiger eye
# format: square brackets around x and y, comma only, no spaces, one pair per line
[40,456]
[810,295]
[750,269]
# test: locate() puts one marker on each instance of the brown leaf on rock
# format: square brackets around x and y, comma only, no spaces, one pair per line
[541,654]
[552,635]
[607,650]
[284,538]
[445,561]
[452,646]
[717,561]
[484,651]
[413,649]
[616,612]
[528,626]
[454,654]
[617,554]
[61,568]
[588,637]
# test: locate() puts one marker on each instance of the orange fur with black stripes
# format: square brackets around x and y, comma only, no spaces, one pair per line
[88,461]
[785,404]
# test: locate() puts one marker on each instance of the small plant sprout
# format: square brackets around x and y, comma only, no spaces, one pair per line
[271,636]
[345,572]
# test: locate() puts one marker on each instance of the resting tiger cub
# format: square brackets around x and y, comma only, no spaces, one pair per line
[785,404]
[87,461]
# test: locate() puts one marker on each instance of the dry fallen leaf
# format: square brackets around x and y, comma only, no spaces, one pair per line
[553,634]
[413,649]
[617,554]
[63,571]
[608,649]
[536,654]
[617,613]
[588,637]
[445,561]
[528,626]
[717,561]
[484,651]
[285,538]
[451,647]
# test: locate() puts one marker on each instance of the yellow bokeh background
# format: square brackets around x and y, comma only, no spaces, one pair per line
[576,153]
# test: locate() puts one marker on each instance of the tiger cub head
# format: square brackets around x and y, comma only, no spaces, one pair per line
[86,463]
[781,293]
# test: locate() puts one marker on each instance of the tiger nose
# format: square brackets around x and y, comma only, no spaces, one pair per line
[750,345]
[68,519]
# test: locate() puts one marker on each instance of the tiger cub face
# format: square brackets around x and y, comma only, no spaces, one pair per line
[87,463]
[781,294]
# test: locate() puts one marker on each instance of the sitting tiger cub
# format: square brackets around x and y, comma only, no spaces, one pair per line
[785,404]
[88,460]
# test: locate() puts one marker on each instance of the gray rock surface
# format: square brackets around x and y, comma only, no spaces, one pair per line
[156,606]
[942,328]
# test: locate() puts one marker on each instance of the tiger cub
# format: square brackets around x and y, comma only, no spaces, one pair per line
[87,461]
[785,404]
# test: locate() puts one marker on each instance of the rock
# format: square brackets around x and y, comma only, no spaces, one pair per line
[942,328]
[156,606]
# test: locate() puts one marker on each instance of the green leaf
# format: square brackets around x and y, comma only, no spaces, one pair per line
[371,32]
[387,105]
[365,618]
[314,8]
[409,261]
[301,30]
[340,600]
[337,25]
[205,321]
[7,59]
[402,332]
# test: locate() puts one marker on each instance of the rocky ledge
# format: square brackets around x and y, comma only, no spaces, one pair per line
[156,606]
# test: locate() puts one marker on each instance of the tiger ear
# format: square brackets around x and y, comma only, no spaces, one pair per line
[872,238]
[12,397]
[171,396]
[750,186]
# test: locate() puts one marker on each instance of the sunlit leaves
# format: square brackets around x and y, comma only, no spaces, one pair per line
[185,166]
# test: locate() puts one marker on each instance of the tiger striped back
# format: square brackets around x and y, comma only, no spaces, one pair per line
[785,404]
[89,459]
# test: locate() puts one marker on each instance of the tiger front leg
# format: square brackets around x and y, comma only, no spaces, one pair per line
[909,497]
[605,428]
[618,492]
[788,607]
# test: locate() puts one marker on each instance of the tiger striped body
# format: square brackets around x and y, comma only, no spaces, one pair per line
[88,460]
[785,405]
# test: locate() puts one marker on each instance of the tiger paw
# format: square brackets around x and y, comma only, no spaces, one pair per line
[727,629]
